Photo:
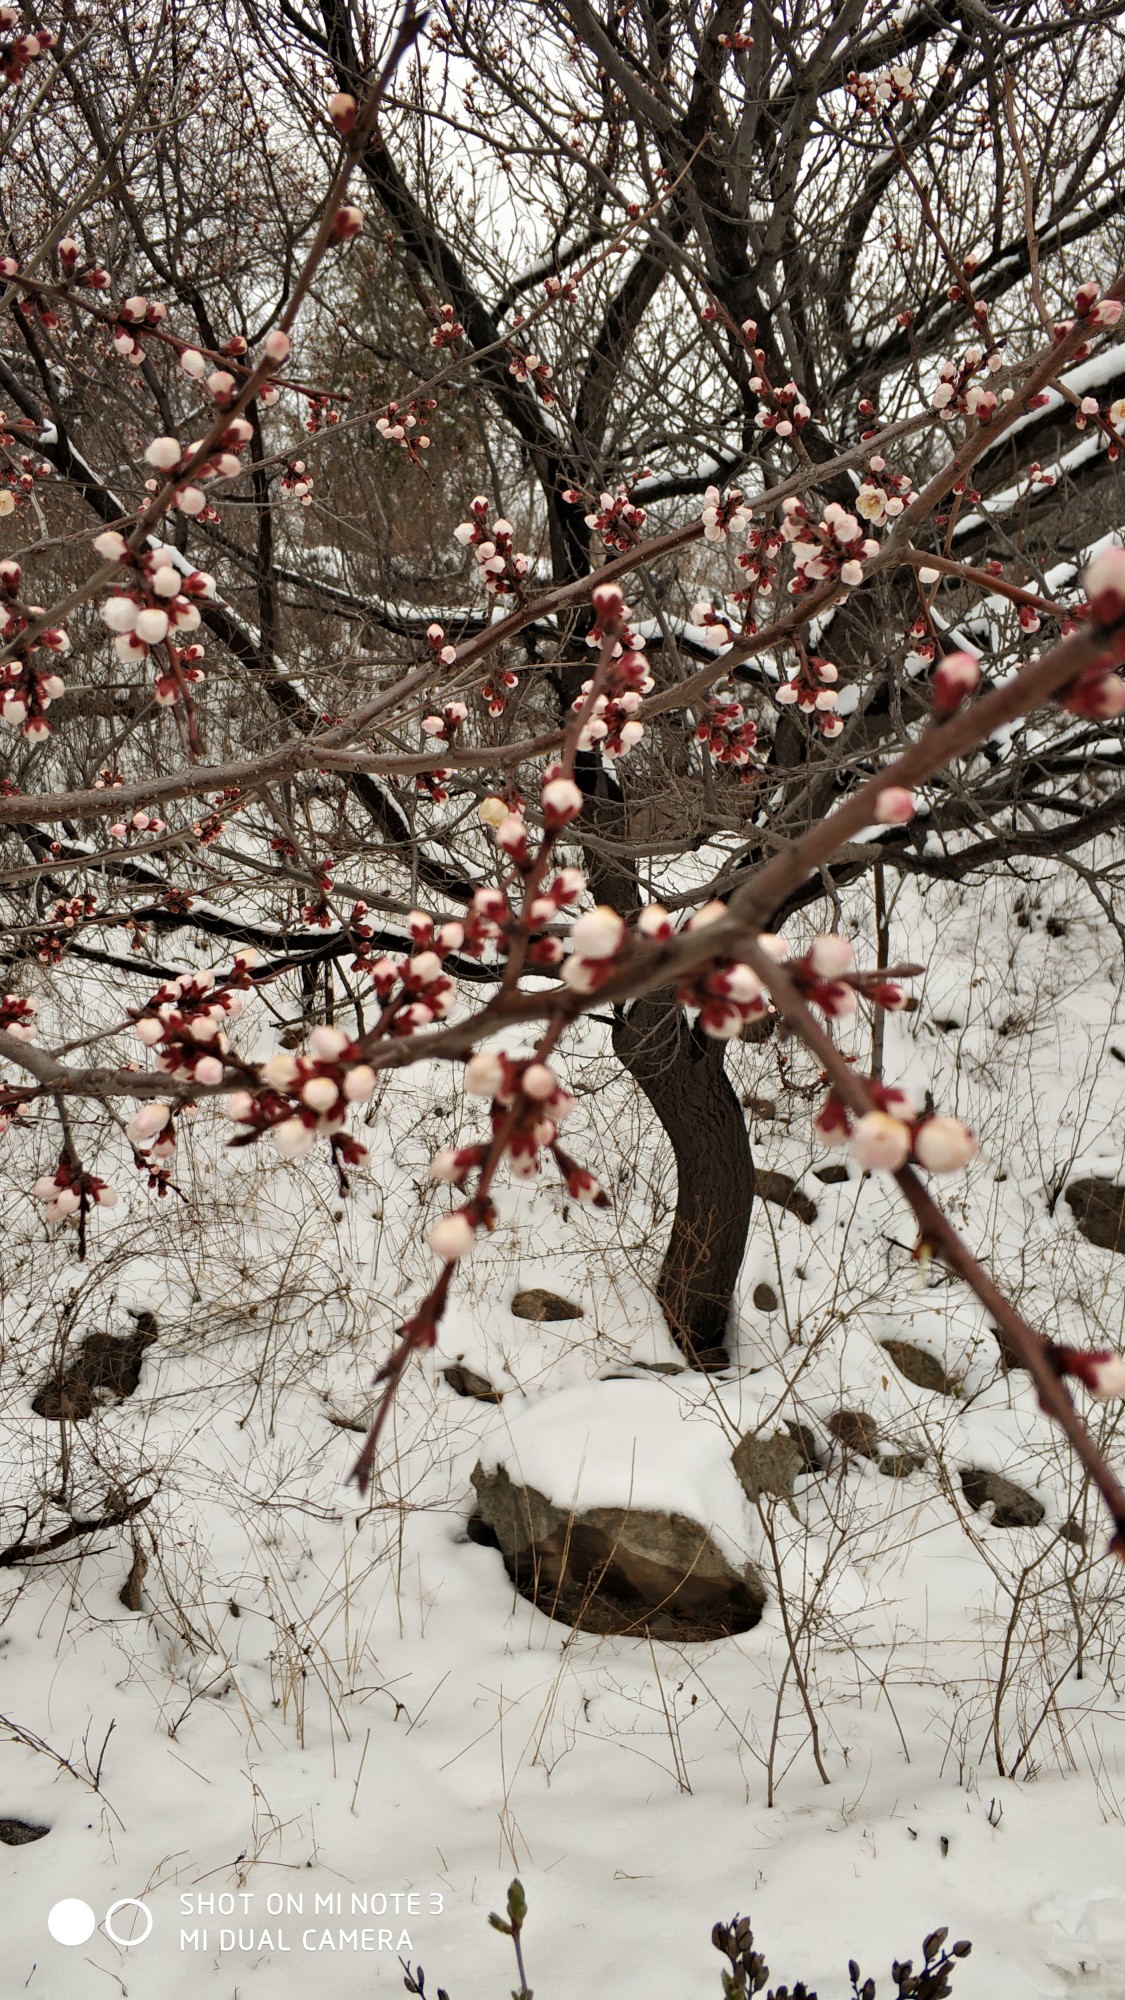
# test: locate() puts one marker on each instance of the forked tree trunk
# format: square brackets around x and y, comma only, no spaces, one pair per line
[682,1073]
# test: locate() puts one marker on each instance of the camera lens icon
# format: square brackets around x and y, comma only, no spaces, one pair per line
[72,1921]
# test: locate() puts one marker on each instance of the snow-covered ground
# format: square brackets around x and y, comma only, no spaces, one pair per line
[341,1717]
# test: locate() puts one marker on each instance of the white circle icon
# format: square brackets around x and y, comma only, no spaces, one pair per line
[128,1903]
[71,1921]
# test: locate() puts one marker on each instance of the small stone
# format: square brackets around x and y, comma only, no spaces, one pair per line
[464,1382]
[18,1832]
[769,1466]
[783,1190]
[920,1367]
[832,1176]
[856,1431]
[537,1304]
[806,1443]
[900,1464]
[1099,1212]
[1012,1507]
[765,1298]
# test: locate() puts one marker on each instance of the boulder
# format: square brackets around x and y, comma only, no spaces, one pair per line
[614,1569]
[537,1304]
[920,1367]
[1012,1507]
[1099,1211]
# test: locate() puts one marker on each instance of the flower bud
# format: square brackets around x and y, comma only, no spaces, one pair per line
[894,806]
[881,1142]
[599,933]
[452,1237]
[293,1138]
[484,1076]
[538,1082]
[151,626]
[319,1093]
[327,1043]
[943,1145]
[342,110]
[359,1084]
[164,453]
[831,955]
[276,345]
[561,801]
[147,1122]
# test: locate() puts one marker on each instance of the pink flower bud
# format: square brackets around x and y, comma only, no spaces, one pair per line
[484,1076]
[711,913]
[598,934]
[107,1197]
[538,1082]
[221,384]
[881,1142]
[327,1043]
[164,453]
[831,955]
[238,1106]
[110,545]
[942,1145]
[293,1138]
[149,1031]
[276,345]
[319,1093]
[1103,580]
[346,223]
[193,363]
[561,801]
[446,1165]
[342,109]
[955,676]
[147,1122]
[654,922]
[359,1084]
[452,1237]
[894,806]
[120,614]
[209,1071]
[280,1070]
[151,626]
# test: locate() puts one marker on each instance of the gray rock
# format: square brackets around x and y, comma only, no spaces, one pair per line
[920,1367]
[1099,1212]
[765,1298]
[900,1464]
[18,1832]
[769,1465]
[614,1569]
[1012,1507]
[537,1304]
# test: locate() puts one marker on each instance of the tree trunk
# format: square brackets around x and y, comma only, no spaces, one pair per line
[682,1073]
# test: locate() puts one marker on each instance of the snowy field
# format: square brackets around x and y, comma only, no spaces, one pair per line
[345,1721]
